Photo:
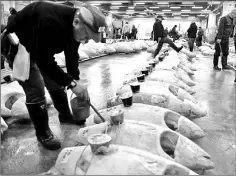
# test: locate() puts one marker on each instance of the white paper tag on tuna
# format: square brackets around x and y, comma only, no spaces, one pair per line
[66,156]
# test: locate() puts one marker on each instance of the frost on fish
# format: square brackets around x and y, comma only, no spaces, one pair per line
[19,109]
[185,108]
[183,76]
[186,69]
[187,64]
[7,100]
[181,93]
[154,115]
[161,141]
[13,93]
[168,77]
[115,160]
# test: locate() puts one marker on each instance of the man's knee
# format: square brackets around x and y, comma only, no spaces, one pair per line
[34,93]
[34,86]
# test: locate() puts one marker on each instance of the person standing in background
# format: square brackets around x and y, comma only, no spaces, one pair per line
[13,12]
[134,32]
[126,30]
[200,34]
[173,30]
[192,31]
[225,30]
[166,32]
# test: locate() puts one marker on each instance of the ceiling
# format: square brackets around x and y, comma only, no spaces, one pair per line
[169,9]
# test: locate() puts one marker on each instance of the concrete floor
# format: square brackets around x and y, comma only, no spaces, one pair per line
[21,153]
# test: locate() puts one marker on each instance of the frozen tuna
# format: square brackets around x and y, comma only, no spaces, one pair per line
[169,77]
[154,115]
[185,108]
[160,88]
[160,141]
[115,160]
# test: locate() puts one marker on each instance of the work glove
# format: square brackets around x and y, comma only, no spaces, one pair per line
[81,92]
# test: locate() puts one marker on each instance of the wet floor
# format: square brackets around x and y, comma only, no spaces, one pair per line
[216,90]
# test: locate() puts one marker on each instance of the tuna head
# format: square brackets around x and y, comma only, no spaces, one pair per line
[182,125]
[181,93]
[191,155]
[195,111]
[189,129]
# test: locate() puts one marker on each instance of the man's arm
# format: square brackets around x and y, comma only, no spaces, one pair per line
[72,59]
[232,33]
[49,34]
[221,28]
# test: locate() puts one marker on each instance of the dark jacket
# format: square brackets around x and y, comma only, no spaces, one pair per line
[173,31]
[192,31]
[134,31]
[200,32]
[158,30]
[45,29]
[225,29]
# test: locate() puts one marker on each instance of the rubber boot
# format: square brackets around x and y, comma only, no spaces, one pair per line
[176,48]
[215,63]
[39,116]
[60,102]
[224,63]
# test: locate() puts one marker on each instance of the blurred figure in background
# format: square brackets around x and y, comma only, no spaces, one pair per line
[174,33]
[192,32]
[225,30]
[134,32]
[126,31]
[13,12]
[199,38]
[166,32]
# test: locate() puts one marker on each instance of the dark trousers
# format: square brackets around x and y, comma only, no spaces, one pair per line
[199,41]
[127,34]
[191,43]
[225,50]
[161,42]
[133,35]
[34,86]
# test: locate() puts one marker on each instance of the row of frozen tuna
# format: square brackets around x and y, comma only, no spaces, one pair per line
[92,49]
[154,138]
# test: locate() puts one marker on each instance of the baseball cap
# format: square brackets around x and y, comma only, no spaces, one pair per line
[159,16]
[94,21]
